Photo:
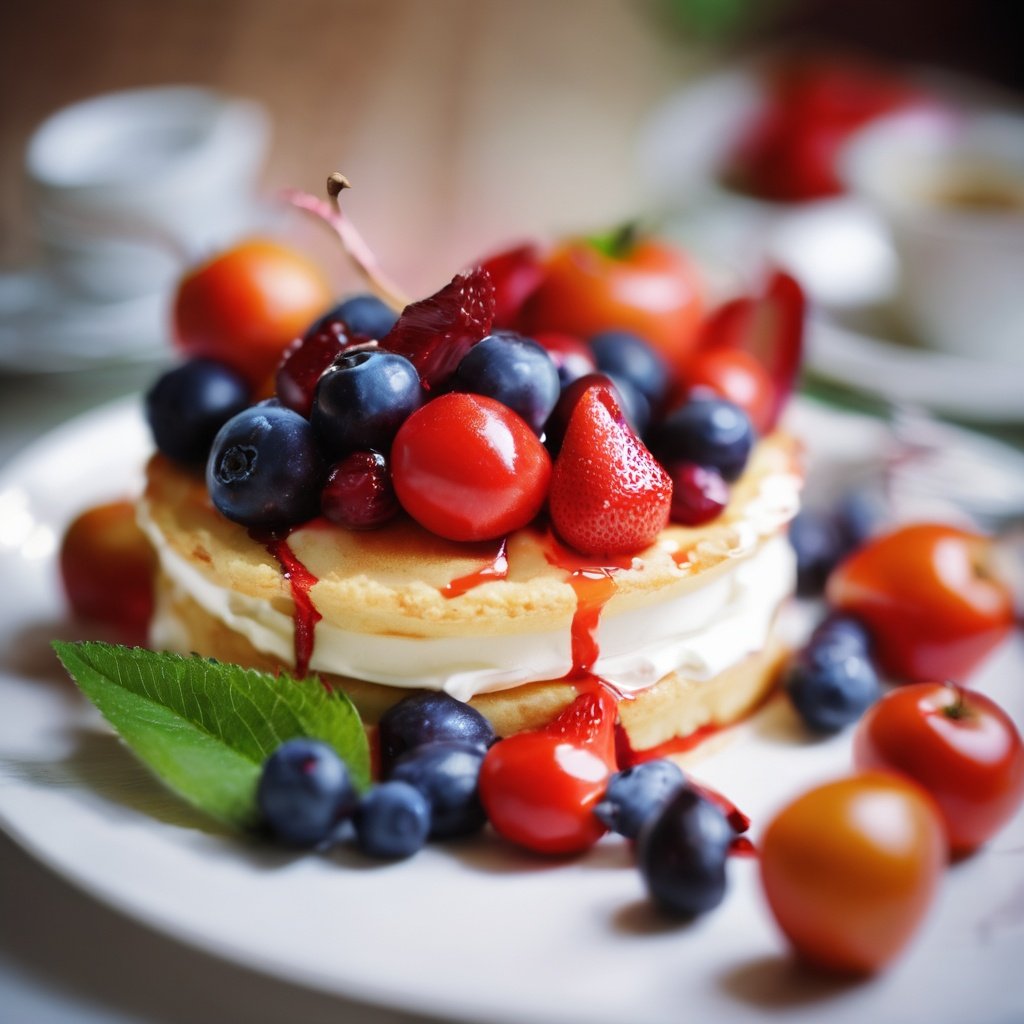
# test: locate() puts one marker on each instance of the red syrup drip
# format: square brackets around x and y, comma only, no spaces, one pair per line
[677,745]
[301,581]
[496,569]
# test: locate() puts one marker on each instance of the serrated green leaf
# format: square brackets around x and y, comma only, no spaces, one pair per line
[205,728]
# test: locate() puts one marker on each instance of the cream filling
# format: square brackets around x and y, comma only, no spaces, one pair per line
[699,633]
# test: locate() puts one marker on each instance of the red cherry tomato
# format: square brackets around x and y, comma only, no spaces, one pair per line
[651,289]
[539,788]
[738,376]
[959,745]
[107,567]
[246,305]
[850,868]
[925,595]
[468,468]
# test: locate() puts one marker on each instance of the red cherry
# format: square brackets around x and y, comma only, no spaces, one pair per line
[516,274]
[570,354]
[699,493]
[468,468]
[539,788]
[609,495]
[435,333]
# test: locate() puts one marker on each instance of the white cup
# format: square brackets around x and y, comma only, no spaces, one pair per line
[951,191]
[122,185]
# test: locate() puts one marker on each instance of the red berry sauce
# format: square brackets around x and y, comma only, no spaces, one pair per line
[496,569]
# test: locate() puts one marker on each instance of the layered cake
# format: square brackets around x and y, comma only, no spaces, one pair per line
[431,500]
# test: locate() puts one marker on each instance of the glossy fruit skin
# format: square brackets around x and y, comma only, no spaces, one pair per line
[513,370]
[516,274]
[629,357]
[572,356]
[930,612]
[682,851]
[188,405]
[468,468]
[362,399]
[850,869]
[959,745]
[358,493]
[244,307]
[739,377]
[366,317]
[540,787]
[304,792]
[650,289]
[708,431]
[304,361]
[107,568]
[831,683]
[447,774]
[631,403]
[608,493]
[430,717]
[636,794]
[699,493]
[836,630]
[265,469]
[392,821]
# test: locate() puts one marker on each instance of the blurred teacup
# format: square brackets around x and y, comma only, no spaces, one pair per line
[124,186]
[951,190]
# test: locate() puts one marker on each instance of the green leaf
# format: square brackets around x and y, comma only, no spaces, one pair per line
[206,728]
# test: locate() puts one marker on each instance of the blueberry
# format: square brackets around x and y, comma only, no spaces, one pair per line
[837,629]
[709,431]
[265,469]
[188,405]
[304,792]
[428,717]
[446,774]
[859,515]
[362,399]
[628,357]
[819,546]
[365,316]
[636,794]
[513,370]
[682,852]
[392,821]
[831,683]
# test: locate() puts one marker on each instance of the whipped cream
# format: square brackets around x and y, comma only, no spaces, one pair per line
[700,633]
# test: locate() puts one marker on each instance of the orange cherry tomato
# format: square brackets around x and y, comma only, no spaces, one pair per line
[956,743]
[923,592]
[107,567]
[850,868]
[246,305]
[740,377]
[651,289]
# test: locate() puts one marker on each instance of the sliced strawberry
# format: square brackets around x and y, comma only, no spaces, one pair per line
[589,721]
[435,333]
[608,493]
[516,275]
[770,326]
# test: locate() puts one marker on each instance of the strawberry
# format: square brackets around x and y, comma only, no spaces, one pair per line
[435,333]
[608,493]
[770,327]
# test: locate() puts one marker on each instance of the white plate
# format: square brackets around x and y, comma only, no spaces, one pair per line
[470,931]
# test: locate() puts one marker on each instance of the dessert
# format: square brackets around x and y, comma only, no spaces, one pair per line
[515,578]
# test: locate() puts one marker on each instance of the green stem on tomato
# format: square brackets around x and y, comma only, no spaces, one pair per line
[618,243]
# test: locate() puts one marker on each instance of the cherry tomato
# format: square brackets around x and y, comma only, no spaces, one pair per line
[107,567]
[924,593]
[850,868]
[649,288]
[539,788]
[956,743]
[468,468]
[738,376]
[246,305]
